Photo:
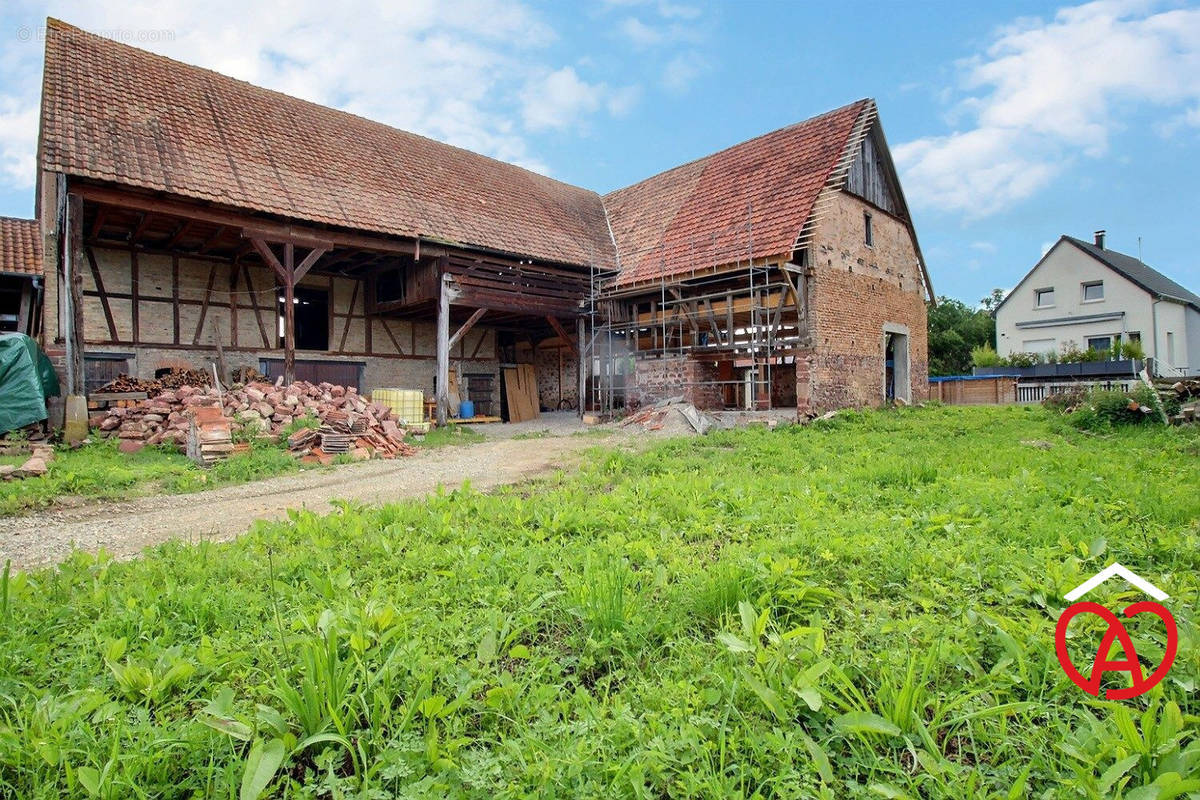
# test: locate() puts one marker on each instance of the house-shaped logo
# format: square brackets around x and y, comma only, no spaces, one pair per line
[1137,682]
[1115,569]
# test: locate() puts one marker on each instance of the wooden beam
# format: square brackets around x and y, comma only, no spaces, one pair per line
[98,223]
[466,326]
[99,281]
[73,277]
[349,315]
[180,232]
[562,334]
[258,226]
[304,266]
[289,311]
[443,349]
[210,241]
[582,361]
[253,302]
[270,259]
[212,277]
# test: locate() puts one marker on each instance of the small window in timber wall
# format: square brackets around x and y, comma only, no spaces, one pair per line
[312,319]
[1044,297]
[1093,291]
[868,234]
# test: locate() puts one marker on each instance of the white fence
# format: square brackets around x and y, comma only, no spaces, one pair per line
[1037,392]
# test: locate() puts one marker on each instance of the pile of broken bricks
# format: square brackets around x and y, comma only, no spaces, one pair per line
[35,466]
[348,423]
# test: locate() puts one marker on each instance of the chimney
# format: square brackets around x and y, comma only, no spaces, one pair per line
[1100,239]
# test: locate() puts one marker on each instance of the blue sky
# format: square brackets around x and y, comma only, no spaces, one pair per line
[1012,123]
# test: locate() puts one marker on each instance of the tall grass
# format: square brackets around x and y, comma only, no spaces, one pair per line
[860,608]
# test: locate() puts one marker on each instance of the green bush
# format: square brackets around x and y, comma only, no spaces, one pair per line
[985,356]
[1104,409]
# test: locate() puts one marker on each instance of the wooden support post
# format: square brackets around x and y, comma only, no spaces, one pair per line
[443,348]
[289,273]
[73,277]
[289,312]
[581,351]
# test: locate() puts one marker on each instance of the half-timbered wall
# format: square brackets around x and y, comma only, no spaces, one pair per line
[170,310]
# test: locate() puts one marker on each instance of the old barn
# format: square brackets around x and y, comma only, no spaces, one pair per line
[188,218]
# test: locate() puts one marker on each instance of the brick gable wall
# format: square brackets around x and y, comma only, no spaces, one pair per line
[856,291]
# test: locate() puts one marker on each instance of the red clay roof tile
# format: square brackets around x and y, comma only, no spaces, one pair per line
[753,197]
[20,247]
[116,113]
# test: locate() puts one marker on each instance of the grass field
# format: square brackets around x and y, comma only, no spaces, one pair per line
[859,608]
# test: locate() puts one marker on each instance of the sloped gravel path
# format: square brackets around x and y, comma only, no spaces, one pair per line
[124,528]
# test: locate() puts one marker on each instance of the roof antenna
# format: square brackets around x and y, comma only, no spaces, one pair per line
[1140,250]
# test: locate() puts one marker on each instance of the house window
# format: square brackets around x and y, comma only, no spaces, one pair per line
[1133,336]
[1099,343]
[868,234]
[1171,348]
[1093,291]
[1044,297]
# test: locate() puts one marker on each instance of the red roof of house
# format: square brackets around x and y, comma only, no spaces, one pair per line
[20,247]
[116,113]
[753,197]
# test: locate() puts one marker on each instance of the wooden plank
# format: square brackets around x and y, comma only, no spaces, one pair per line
[99,281]
[466,326]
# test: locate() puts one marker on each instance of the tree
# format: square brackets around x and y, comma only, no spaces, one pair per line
[955,328]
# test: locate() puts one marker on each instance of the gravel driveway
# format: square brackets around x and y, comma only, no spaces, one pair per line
[124,528]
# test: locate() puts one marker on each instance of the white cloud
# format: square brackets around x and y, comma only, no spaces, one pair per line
[452,71]
[561,98]
[682,70]
[984,246]
[639,33]
[1044,93]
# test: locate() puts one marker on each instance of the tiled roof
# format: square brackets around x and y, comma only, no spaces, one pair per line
[116,113]
[20,247]
[752,196]
[1139,272]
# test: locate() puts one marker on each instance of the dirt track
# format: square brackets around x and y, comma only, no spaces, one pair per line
[124,528]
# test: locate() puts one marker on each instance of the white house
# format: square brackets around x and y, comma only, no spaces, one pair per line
[1085,295]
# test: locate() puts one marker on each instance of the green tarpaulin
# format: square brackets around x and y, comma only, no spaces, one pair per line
[26,379]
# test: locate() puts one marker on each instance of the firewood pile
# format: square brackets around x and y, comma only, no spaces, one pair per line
[345,422]
[176,378]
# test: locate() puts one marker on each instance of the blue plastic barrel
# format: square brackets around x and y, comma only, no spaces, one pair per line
[466,409]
